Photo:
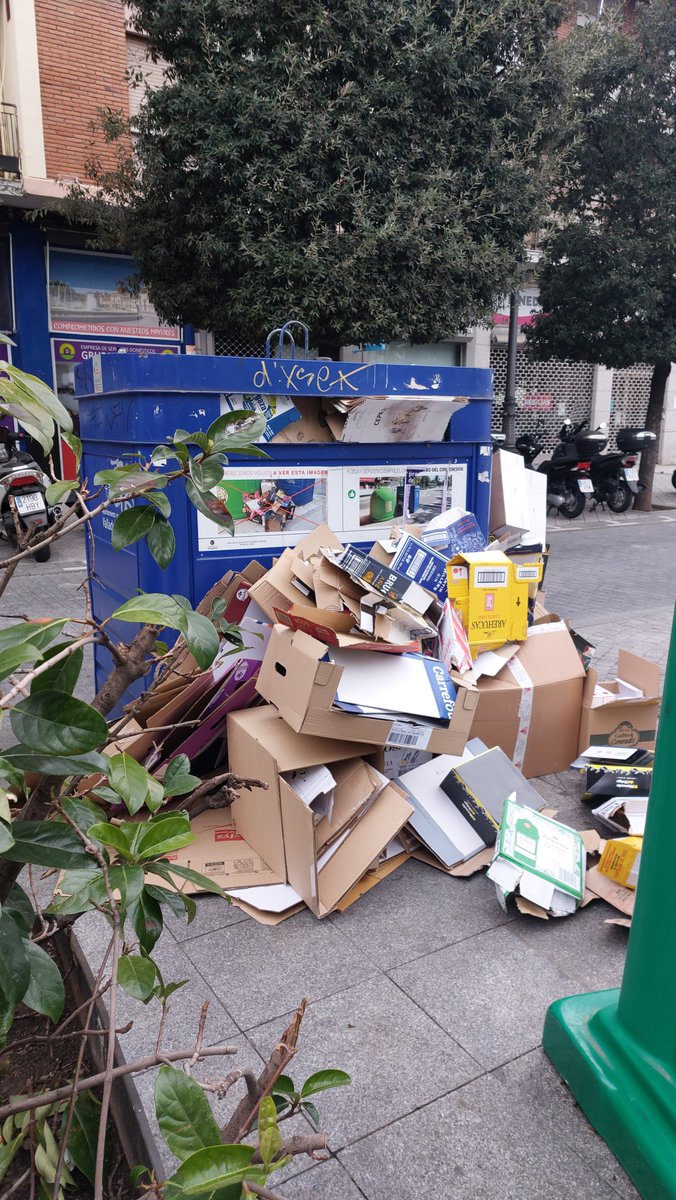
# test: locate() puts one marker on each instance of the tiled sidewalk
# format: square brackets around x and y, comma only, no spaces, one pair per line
[425,991]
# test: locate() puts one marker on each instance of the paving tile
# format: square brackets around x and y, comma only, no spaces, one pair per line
[589,951]
[538,1089]
[213,913]
[327,1181]
[474,1144]
[416,910]
[490,993]
[396,1056]
[184,1008]
[260,972]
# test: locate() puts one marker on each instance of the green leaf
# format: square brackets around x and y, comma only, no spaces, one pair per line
[45,993]
[156,795]
[136,975]
[201,637]
[131,525]
[120,838]
[130,780]
[226,429]
[58,490]
[197,438]
[150,608]
[6,839]
[285,1086]
[47,844]
[161,542]
[201,1175]
[16,656]
[45,397]
[209,507]
[15,970]
[84,1132]
[64,675]
[18,906]
[10,777]
[164,833]
[179,903]
[206,474]
[9,1151]
[177,778]
[56,723]
[160,502]
[269,1137]
[37,634]
[184,1114]
[6,340]
[24,758]
[84,812]
[323,1080]
[167,870]
[147,921]
[309,1108]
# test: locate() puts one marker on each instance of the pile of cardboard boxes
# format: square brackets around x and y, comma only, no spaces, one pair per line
[396,703]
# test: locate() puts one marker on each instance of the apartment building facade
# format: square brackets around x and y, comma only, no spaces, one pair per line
[61,63]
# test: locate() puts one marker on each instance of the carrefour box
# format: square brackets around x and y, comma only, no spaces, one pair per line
[491,594]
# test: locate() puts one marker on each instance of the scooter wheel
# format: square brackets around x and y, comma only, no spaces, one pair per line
[43,554]
[673,480]
[620,500]
[573,506]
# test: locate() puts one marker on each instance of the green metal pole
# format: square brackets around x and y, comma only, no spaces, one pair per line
[617,1049]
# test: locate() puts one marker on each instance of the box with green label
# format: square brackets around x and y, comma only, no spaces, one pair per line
[540,859]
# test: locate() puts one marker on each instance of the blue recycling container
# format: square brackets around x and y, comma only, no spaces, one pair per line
[129,405]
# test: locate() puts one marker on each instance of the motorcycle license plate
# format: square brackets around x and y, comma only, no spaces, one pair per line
[32,503]
[631,474]
[585,485]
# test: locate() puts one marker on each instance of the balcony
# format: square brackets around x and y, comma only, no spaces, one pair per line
[10,154]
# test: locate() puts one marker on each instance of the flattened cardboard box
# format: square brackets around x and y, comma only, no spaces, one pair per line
[532,708]
[323,880]
[623,722]
[221,854]
[262,746]
[302,686]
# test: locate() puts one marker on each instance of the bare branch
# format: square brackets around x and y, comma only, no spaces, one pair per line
[199,1039]
[28,678]
[256,1189]
[242,1119]
[298,1143]
[93,1081]
[221,1089]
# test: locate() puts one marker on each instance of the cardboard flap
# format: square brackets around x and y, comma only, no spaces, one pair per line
[299,845]
[370,835]
[641,672]
[590,683]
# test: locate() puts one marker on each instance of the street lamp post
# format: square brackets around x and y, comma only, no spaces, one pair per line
[509,406]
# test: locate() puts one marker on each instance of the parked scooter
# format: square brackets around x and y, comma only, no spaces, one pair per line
[22,479]
[614,476]
[567,471]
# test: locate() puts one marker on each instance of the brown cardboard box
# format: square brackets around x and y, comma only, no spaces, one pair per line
[302,688]
[623,722]
[221,854]
[532,708]
[322,876]
[275,589]
[262,746]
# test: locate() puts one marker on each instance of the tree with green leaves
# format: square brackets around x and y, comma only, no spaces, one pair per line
[102,826]
[371,166]
[608,282]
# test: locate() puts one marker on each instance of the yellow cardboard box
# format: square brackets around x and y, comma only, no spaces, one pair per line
[491,594]
[621,859]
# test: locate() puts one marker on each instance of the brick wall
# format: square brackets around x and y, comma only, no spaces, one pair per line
[83,60]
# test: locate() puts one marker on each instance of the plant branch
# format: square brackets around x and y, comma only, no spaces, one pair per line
[242,1119]
[221,1089]
[35,672]
[92,1081]
[133,667]
[256,1189]
[298,1143]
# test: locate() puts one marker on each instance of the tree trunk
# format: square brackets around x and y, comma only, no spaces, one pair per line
[653,422]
